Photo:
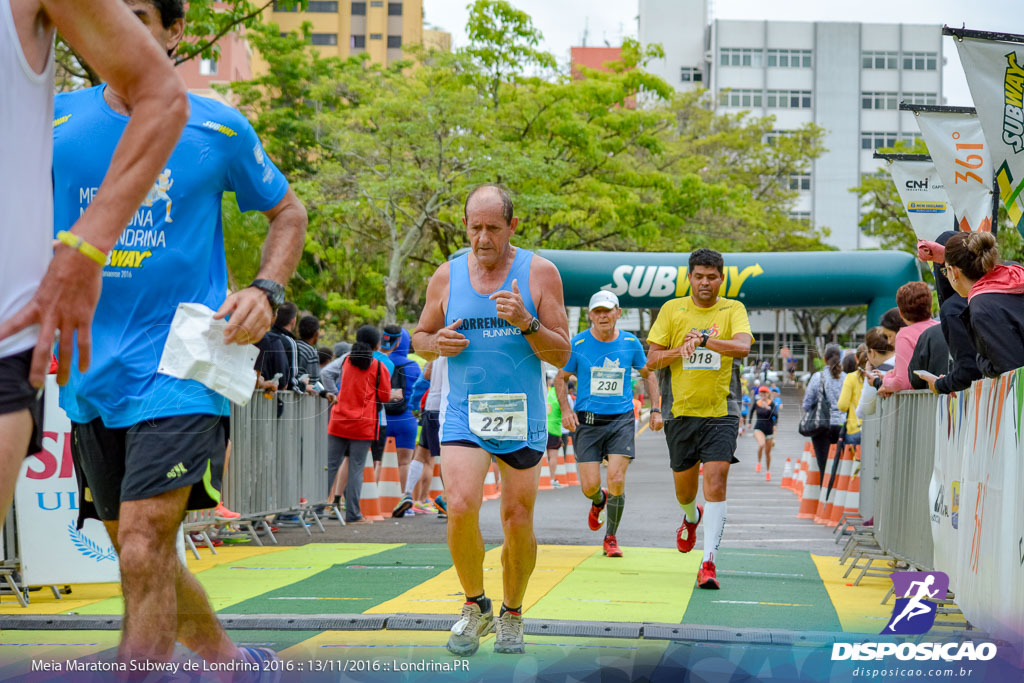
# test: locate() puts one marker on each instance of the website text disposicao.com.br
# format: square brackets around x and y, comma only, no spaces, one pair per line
[907,672]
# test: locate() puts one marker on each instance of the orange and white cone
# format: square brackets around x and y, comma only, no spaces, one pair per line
[571,473]
[800,480]
[851,505]
[811,489]
[822,511]
[369,504]
[842,486]
[545,476]
[787,475]
[389,484]
[436,487]
[491,485]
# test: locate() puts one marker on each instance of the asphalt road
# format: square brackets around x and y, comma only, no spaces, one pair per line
[761,514]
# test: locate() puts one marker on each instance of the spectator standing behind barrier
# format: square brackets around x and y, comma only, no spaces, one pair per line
[880,353]
[324,355]
[995,300]
[832,377]
[284,324]
[853,387]
[271,362]
[402,423]
[914,300]
[365,383]
[309,362]
[891,323]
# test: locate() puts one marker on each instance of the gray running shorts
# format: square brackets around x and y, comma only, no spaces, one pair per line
[594,442]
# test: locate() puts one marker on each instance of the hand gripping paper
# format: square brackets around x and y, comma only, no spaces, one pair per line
[195,349]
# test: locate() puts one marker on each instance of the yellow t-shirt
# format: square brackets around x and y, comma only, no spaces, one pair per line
[698,389]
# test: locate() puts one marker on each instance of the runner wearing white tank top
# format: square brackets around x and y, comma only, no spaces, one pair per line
[40,295]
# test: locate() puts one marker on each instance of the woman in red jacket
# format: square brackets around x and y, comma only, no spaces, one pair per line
[364,384]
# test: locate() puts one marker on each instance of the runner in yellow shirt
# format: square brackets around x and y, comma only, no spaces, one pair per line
[698,337]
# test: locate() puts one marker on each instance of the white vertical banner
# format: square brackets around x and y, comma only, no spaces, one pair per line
[957,146]
[923,195]
[995,75]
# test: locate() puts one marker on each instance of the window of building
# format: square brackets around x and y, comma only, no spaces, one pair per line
[376,36]
[279,8]
[874,59]
[325,38]
[740,98]
[875,140]
[879,100]
[376,3]
[690,74]
[909,138]
[359,9]
[789,99]
[207,67]
[789,58]
[394,41]
[318,6]
[741,56]
[920,98]
[800,181]
[773,135]
[804,216]
[920,61]
[357,42]
[394,9]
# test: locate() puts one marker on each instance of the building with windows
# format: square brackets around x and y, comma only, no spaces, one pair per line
[848,78]
[233,64]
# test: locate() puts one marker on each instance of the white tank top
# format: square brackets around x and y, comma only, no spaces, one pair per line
[26,185]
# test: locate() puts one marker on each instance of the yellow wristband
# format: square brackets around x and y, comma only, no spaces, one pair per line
[83,247]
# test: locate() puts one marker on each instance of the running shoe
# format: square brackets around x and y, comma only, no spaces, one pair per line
[597,513]
[442,507]
[555,484]
[611,547]
[757,469]
[263,658]
[420,509]
[509,640]
[686,534]
[402,506]
[467,631]
[222,513]
[706,577]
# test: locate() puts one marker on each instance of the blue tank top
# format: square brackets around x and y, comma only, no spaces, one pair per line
[498,361]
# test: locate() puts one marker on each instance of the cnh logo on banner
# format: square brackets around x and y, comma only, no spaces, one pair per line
[914,613]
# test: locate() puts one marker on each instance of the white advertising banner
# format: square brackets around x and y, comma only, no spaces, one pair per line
[995,75]
[957,147]
[51,550]
[924,197]
[977,517]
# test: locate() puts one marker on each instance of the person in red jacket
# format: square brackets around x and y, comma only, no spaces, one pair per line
[365,383]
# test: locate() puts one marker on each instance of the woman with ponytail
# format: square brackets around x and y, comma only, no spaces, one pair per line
[828,382]
[995,300]
[365,383]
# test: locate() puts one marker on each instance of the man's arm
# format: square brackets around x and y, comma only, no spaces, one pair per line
[431,338]
[251,315]
[551,342]
[157,99]
[737,347]
[569,419]
[657,419]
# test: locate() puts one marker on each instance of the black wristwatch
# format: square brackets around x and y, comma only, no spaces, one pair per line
[273,290]
[655,410]
[532,327]
[704,336]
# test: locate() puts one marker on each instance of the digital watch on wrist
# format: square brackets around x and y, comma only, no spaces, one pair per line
[532,327]
[704,336]
[273,290]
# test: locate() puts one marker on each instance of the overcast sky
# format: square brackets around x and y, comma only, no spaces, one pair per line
[563,21]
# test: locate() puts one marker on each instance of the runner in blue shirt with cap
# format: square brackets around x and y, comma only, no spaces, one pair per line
[602,359]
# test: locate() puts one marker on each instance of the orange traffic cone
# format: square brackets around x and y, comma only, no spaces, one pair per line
[851,505]
[389,485]
[571,473]
[842,486]
[811,489]
[436,487]
[369,504]
[800,480]
[820,512]
[787,475]
[545,476]
[491,485]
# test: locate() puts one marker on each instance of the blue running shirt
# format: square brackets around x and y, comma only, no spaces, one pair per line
[497,380]
[171,252]
[603,372]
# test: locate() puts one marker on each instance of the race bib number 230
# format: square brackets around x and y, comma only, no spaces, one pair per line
[703,359]
[498,416]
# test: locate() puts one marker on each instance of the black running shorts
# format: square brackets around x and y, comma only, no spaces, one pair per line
[430,431]
[16,394]
[555,441]
[147,459]
[523,459]
[595,442]
[693,440]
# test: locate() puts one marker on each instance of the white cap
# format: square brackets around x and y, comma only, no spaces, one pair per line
[603,299]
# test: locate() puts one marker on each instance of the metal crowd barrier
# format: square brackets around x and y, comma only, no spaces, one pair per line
[897,458]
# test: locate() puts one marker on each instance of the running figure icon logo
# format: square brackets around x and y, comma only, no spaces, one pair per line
[159,193]
[914,613]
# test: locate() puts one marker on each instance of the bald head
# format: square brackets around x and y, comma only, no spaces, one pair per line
[490,197]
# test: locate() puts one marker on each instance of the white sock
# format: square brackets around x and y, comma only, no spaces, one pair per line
[415,470]
[714,524]
[690,509]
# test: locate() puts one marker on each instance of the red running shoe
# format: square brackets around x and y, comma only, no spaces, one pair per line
[611,547]
[596,517]
[686,535]
[706,577]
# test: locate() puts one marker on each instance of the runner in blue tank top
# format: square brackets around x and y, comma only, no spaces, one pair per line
[495,313]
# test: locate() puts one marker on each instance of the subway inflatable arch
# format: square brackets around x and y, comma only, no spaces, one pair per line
[759,280]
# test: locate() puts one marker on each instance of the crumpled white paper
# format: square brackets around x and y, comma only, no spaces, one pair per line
[195,349]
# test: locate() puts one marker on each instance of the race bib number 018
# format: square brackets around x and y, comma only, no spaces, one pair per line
[498,416]
[607,381]
[703,359]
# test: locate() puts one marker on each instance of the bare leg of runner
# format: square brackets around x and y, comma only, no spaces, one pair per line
[464,471]
[519,553]
[15,432]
